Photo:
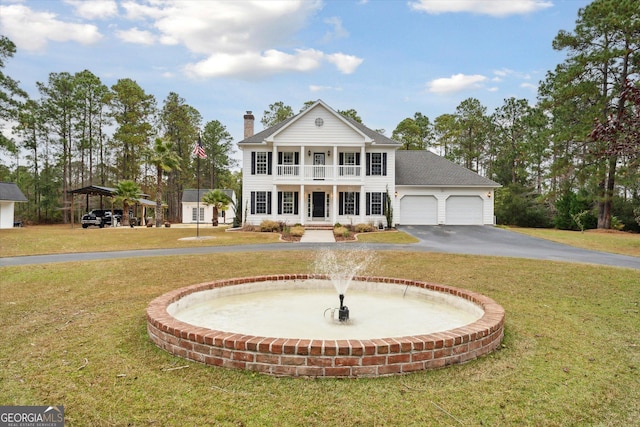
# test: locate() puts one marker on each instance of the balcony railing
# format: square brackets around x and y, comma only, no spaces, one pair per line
[319,172]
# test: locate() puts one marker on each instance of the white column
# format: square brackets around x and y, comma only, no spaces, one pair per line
[334,204]
[363,204]
[274,203]
[302,204]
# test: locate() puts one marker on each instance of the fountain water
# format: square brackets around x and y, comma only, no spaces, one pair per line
[399,325]
[341,267]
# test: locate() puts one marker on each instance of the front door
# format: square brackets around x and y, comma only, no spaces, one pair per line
[318,204]
[318,165]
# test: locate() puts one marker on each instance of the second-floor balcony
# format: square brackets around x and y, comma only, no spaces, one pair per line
[319,172]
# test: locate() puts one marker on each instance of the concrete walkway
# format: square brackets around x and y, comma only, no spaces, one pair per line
[317,236]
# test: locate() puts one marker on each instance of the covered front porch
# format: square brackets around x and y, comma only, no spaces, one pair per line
[319,205]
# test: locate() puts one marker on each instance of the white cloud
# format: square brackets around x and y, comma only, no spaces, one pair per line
[243,39]
[338,30]
[483,7]
[136,36]
[530,86]
[347,64]
[32,30]
[456,83]
[255,64]
[318,88]
[94,9]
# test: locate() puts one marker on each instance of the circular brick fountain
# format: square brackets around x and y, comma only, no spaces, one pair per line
[310,357]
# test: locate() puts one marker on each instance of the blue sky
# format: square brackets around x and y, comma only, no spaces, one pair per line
[387,59]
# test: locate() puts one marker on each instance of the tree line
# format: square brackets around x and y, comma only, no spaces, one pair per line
[570,161]
[80,132]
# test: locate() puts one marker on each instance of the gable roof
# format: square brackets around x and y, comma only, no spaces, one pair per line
[10,192]
[375,137]
[191,195]
[422,167]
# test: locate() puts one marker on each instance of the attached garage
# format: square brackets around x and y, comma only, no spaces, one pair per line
[432,190]
[418,210]
[464,210]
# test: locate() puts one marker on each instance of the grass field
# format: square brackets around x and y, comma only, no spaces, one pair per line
[75,334]
[616,242]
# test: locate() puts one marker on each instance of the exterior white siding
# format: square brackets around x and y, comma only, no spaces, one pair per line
[6,214]
[333,131]
[319,135]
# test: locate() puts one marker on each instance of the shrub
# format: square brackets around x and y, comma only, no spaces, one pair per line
[270,226]
[521,206]
[574,212]
[364,228]
[296,231]
[341,231]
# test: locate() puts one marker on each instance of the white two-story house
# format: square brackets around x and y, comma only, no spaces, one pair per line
[320,167]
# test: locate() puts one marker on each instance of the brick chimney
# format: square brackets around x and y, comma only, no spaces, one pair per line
[248,124]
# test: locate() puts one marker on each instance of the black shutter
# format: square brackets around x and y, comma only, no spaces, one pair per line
[279,157]
[253,203]
[296,158]
[384,164]
[269,162]
[340,203]
[341,157]
[268,202]
[296,202]
[279,202]
[357,159]
[253,163]
[357,196]
[368,210]
[368,165]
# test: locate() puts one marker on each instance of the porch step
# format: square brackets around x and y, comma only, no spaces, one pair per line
[319,227]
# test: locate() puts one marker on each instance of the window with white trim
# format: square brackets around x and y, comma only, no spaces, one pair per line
[287,202]
[349,161]
[194,214]
[261,202]
[374,203]
[261,163]
[349,202]
[376,163]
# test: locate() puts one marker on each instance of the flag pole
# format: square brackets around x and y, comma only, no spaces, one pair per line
[198,194]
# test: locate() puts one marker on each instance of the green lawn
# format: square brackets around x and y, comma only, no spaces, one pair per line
[75,334]
[616,242]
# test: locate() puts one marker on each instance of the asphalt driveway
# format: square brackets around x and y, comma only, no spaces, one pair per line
[486,240]
[469,239]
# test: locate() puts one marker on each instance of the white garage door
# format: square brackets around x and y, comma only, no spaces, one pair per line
[464,210]
[418,210]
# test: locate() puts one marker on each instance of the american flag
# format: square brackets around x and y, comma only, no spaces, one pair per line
[198,150]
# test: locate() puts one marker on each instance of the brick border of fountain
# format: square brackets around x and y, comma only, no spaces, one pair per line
[326,358]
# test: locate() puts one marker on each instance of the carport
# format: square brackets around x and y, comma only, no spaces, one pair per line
[102,192]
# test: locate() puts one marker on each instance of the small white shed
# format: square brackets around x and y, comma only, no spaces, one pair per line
[9,195]
[194,211]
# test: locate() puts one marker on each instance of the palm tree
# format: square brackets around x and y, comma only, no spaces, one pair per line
[128,193]
[219,200]
[165,159]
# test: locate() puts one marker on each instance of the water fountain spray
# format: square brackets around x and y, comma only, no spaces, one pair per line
[341,267]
